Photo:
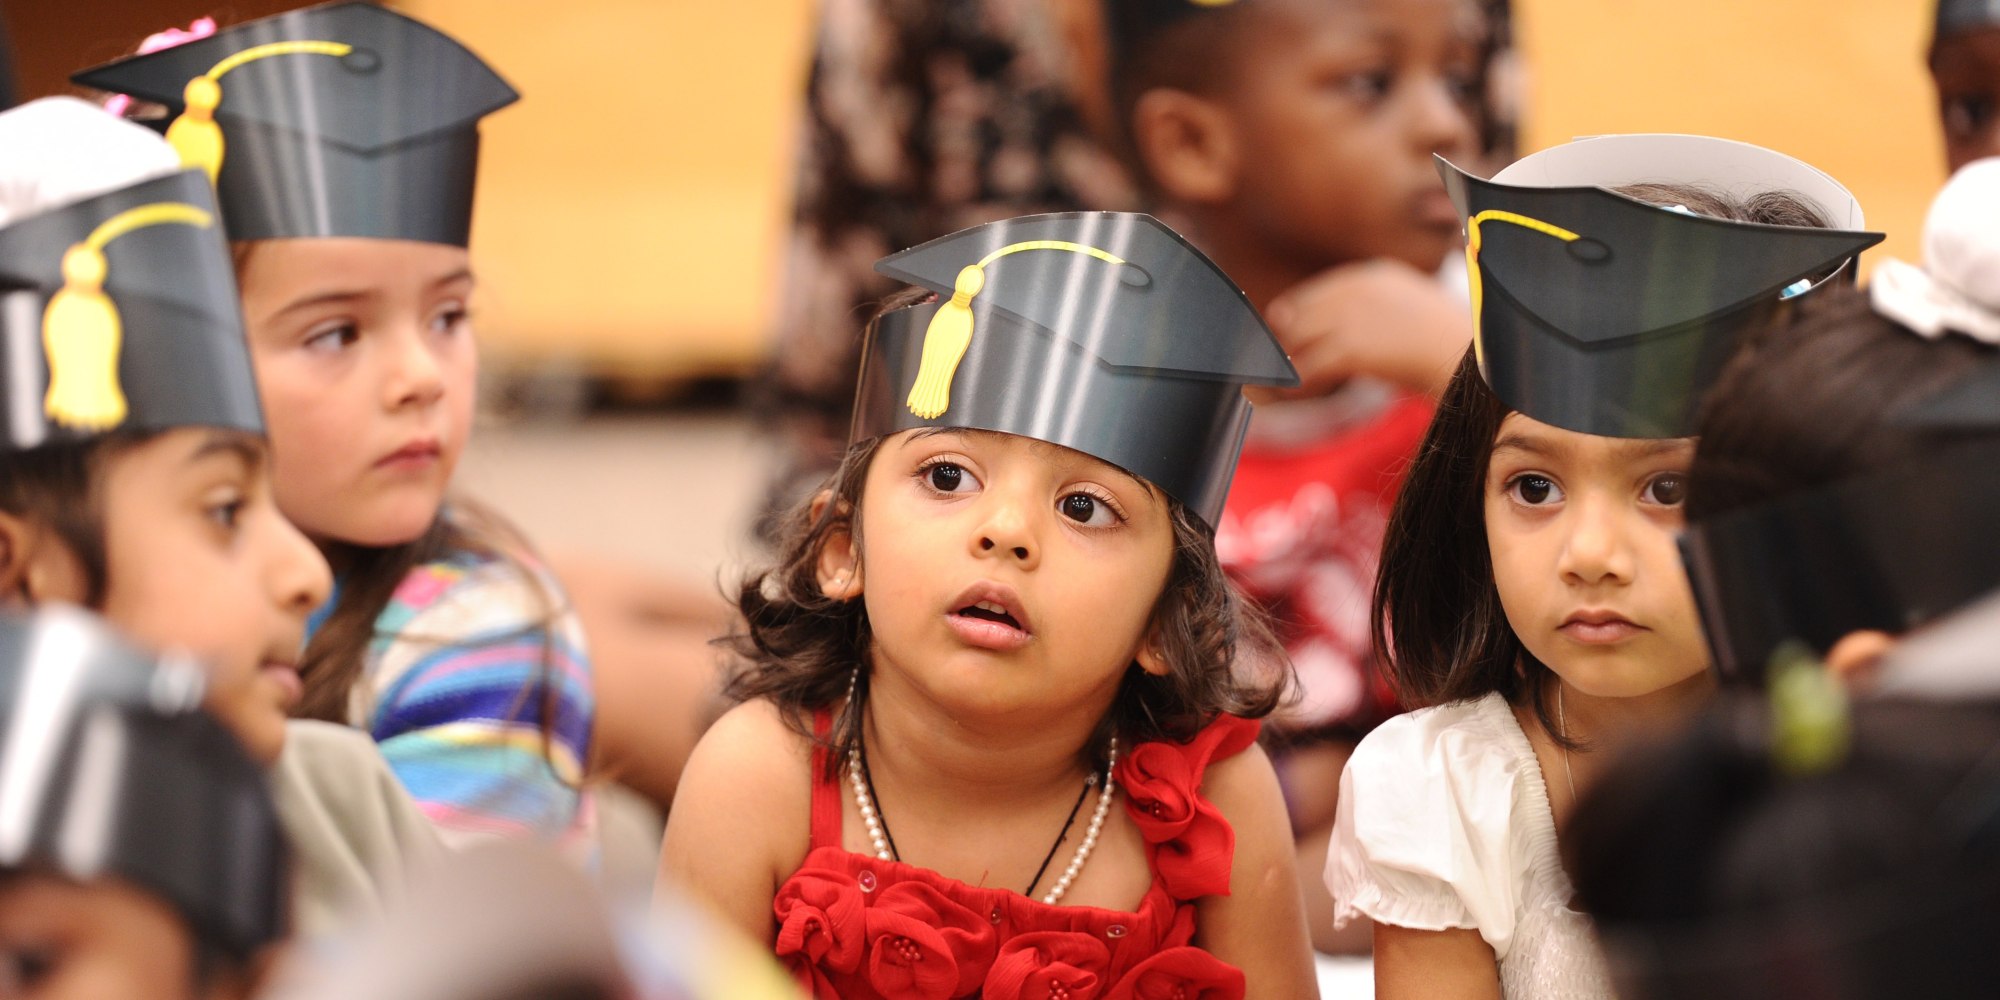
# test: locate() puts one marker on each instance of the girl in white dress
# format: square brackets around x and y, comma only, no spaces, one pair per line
[1531,603]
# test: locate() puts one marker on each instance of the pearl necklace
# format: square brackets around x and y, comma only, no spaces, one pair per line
[880,841]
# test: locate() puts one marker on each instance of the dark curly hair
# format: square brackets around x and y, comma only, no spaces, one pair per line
[800,647]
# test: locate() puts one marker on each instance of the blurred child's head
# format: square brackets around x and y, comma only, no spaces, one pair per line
[1716,868]
[1965,66]
[1043,498]
[1853,439]
[351,228]
[140,855]
[165,523]
[1305,127]
[1538,538]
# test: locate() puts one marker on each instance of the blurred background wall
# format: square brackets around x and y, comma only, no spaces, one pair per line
[633,207]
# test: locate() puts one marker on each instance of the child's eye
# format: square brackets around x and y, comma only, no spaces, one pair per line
[451,319]
[1366,87]
[1967,115]
[332,338]
[947,477]
[1533,490]
[1667,489]
[1088,509]
[227,513]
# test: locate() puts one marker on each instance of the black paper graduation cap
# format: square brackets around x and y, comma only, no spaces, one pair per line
[1104,332]
[108,768]
[1954,16]
[341,120]
[1607,315]
[1888,551]
[121,311]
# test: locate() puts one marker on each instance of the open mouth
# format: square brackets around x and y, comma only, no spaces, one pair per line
[987,611]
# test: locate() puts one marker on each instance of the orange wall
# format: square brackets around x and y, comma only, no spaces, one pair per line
[632,207]
[1840,84]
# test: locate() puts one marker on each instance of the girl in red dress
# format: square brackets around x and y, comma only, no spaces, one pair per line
[997,731]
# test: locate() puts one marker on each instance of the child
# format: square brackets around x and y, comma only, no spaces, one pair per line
[1530,560]
[444,639]
[1004,610]
[161,516]
[1295,138]
[1965,66]
[140,856]
[1850,460]
[1722,865]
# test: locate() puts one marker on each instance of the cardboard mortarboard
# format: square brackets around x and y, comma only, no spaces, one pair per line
[346,119]
[1954,16]
[120,311]
[1104,332]
[109,769]
[1608,315]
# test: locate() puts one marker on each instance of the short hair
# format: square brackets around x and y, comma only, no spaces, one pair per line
[1188,49]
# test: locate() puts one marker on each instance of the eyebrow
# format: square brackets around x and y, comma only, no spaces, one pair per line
[239,444]
[1043,448]
[352,294]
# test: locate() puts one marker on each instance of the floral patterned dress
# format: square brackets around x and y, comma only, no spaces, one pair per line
[854,926]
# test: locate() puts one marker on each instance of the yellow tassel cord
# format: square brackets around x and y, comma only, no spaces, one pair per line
[1472,262]
[950,330]
[195,135]
[81,331]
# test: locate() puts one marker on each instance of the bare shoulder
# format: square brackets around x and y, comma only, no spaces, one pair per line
[741,818]
[1260,926]
[1244,786]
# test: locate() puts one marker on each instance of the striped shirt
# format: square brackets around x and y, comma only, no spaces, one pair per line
[478,693]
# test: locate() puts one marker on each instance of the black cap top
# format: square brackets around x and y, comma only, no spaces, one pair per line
[108,767]
[121,311]
[1099,331]
[346,119]
[1607,315]
[1954,16]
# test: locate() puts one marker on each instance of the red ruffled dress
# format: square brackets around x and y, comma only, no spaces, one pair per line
[854,926]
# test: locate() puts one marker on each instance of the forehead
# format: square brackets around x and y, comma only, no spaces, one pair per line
[349,260]
[1968,54]
[1523,437]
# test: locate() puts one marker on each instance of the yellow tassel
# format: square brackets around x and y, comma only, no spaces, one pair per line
[195,135]
[945,341]
[82,334]
[1477,286]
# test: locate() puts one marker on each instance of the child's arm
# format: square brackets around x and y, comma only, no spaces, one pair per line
[740,818]
[1381,318]
[1260,927]
[1450,964]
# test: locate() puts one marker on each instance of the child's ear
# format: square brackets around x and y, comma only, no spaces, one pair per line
[839,570]
[1187,144]
[1150,658]
[34,566]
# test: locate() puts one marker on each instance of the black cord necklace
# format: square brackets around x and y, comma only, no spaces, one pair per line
[882,818]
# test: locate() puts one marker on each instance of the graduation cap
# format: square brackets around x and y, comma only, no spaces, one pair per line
[1954,16]
[1607,315]
[1104,332]
[121,311]
[346,119]
[109,769]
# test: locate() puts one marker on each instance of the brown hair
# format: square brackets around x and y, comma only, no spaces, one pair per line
[57,486]
[1809,402]
[1439,628]
[800,647]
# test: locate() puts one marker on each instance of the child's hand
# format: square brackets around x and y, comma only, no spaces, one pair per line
[1381,318]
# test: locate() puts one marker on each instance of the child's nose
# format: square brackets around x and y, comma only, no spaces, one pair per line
[1597,547]
[300,579]
[1439,121]
[1005,532]
[415,373]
